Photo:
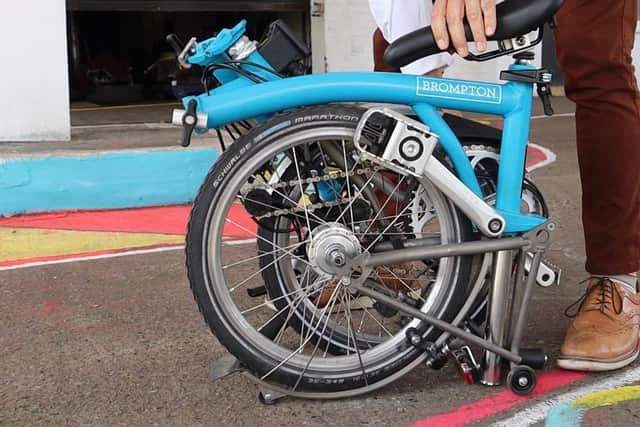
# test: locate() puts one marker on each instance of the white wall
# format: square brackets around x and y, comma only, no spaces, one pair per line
[348,28]
[34,92]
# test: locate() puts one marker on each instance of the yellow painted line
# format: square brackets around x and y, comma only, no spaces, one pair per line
[608,397]
[24,243]
[124,107]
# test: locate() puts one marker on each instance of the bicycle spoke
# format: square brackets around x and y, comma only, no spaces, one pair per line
[292,309]
[254,274]
[299,349]
[315,348]
[402,281]
[377,321]
[253,258]
[333,329]
[302,194]
[386,202]
[359,192]
[385,230]
[271,301]
[293,202]
[229,220]
[346,164]
[355,342]
[242,198]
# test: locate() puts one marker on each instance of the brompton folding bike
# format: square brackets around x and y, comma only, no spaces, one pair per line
[378,234]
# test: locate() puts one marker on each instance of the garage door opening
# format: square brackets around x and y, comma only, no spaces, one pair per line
[122,70]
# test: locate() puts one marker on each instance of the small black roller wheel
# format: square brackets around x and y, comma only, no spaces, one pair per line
[522,380]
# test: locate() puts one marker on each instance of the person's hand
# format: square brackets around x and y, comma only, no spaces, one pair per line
[448,27]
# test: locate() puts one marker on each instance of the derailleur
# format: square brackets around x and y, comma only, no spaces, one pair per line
[455,350]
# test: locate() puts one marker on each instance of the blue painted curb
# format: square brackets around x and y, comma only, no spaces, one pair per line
[102,181]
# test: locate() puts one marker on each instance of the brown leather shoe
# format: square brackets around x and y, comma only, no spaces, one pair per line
[604,334]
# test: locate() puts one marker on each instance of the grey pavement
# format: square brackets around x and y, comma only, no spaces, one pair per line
[123,343]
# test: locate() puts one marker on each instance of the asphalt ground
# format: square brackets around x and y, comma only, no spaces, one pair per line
[119,341]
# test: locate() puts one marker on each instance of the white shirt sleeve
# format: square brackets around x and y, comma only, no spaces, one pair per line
[395,18]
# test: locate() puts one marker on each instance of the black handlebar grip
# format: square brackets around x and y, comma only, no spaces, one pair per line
[175,42]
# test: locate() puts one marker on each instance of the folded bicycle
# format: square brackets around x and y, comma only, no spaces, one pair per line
[383,235]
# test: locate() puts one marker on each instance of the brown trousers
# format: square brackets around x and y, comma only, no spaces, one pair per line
[594,40]
[379,47]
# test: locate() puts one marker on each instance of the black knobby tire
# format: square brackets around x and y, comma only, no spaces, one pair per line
[253,358]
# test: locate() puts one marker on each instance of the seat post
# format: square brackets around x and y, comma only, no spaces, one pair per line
[498,320]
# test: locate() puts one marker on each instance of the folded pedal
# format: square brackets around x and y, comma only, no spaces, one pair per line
[395,141]
[406,146]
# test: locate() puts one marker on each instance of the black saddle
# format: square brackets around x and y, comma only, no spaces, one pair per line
[514,18]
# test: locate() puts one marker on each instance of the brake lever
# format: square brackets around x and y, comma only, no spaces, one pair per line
[508,47]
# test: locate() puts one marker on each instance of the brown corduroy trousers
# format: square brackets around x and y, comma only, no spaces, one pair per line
[594,40]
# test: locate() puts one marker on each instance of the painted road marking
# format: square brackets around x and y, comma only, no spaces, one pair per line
[162,220]
[553,117]
[502,401]
[539,157]
[19,245]
[63,259]
[571,415]
[90,257]
[537,413]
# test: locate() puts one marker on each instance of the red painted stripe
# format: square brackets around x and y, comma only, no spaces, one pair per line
[500,402]
[161,220]
[14,262]
[535,156]
[165,220]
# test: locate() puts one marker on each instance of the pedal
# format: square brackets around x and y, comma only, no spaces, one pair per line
[395,141]
[548,274]
[466,364]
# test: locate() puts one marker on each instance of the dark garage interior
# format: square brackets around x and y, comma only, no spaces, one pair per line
[117,48]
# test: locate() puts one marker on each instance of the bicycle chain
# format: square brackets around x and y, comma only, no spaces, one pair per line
[304,182]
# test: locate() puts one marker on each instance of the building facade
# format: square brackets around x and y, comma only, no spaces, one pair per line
[34,35]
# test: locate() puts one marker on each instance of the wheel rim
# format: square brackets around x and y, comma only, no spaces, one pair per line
[219,291]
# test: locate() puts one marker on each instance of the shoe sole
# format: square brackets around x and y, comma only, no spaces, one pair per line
[596,365]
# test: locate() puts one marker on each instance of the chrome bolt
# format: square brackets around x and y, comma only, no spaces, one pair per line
[338,258]
[415,339]
[523,382]
[495,225]
[411,148]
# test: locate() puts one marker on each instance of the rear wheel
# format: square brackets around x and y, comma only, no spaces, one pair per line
[297,189]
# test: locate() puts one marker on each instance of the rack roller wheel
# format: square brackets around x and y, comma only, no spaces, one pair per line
[522,380]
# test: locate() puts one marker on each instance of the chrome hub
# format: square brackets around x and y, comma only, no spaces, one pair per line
[332,246]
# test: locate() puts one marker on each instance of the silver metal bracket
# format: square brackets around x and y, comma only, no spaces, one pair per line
[516,43]
[267,396]
[188,49]
[224,367]
[395,141]
[548,273]
[406,146]
[540,237]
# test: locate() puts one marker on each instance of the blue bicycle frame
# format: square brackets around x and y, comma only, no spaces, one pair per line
[242,99]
